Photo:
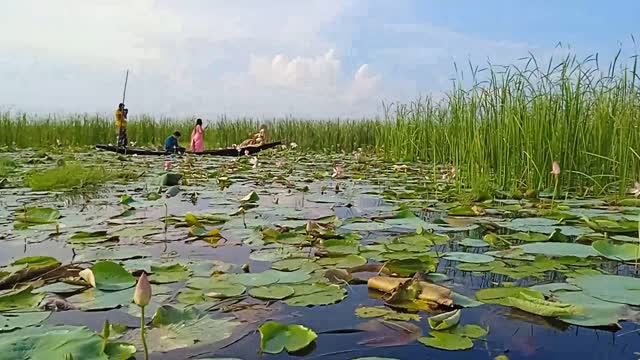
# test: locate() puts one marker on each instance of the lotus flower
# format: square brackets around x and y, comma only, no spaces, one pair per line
[246,152]
[338,171]
[167,165]
[142,294]
[279,163]
[293,145]
[254,162]
[555,168]
[636,189]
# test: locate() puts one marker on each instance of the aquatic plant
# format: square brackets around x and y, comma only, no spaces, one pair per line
[141,297]
[68,176]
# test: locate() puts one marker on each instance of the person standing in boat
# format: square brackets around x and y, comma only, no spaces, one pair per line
[197,140]
[171,143]
[121,125]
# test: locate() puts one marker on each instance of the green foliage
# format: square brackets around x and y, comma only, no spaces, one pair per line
[67,177]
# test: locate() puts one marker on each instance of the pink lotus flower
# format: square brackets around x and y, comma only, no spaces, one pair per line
[167,165]
[142,294]
[555,168]
[338,171]
[636,189]
[246,152]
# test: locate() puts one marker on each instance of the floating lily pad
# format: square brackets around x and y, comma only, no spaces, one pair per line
[595,312]
[379,311]
[173,328]
[341,247]
[38,215]
[612,288]
[119,253]
[255,279]
[58,288]
[168,273]
[559,249]
[276,337]
[273,292]
[343,262]
[58,342]
[623,252]
[91,237]
[316,294]
[468,257]
[445,320]
[119,351]
[22,298]
[12,321]
[446,341]
[476,243]
[279,253]
[111,276]
[470,331]
[222,287]
[367,226]
[411,266]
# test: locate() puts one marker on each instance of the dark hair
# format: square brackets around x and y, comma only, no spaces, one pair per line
[126,110]
[177,133]
[199,122]
[120,105]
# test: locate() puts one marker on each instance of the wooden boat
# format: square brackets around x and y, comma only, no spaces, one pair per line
[216,152]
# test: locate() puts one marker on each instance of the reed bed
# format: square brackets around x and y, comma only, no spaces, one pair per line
[503,132]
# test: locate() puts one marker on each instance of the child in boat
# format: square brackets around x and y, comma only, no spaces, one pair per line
[197,141]
[171,143]
[121,125]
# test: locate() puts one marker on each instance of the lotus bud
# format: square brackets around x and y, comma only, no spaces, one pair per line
[142,294]
[87,275]
[555,168]
[167,165]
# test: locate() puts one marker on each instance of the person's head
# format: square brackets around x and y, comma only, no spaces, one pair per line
[176,134]
[262,131]
[199,122]
[121,106]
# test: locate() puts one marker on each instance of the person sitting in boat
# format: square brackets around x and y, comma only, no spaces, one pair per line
[121,125]
[197,141]
[171,143]
[257,139]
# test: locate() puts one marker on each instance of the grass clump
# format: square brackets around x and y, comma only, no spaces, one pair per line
[6,166]
[68,176]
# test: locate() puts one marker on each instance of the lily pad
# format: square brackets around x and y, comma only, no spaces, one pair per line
[476,243]
[468,257]
[38,215]
[278,253]
[110,276]
[341,247]
[623,252]
[470,331]
[273,292]
[316,294]
[58,342]
[446,341]
[379,311]
[12,321]
[559,249]
[255,279]
[595,312]
[411,266]
[276,337]
[173,328]
[22,298]
[343,262]
[367,226]
[168,273]
[120,351]
[219,286]
[612,288]
[58,288]
[119,253]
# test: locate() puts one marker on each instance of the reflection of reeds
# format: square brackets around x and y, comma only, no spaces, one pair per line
[501,132]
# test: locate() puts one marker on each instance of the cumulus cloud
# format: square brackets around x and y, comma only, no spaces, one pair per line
[363,86]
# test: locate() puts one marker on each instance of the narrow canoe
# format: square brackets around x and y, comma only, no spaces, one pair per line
[216,152]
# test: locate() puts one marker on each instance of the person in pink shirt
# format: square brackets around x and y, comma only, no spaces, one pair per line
[197,141]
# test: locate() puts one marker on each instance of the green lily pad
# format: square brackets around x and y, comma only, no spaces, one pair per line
[205,268]
[559,249]
[623,252]
[278,253]
[21,298]
[217,285]
[110,276]
[549,289]
[273,292]
[37,215]
[379,311]
[94,299]
[12,321]
[476,243]
[173,328]
[341,247]
[530,236]
[464,301]
[488,295]
[275,337]
[343,262]
[367,226]
[446,341]
[316,294]
[612,288]
[293,264]
[58,288]
[468,257]
[120,351]
[57,342]
[119,253]
[251,198]
[411,266]
[595,312]
[91,237]
[255,279]
[290,277]
[445,320]
[474,267]
[168,273]
[470,331]
[26,268]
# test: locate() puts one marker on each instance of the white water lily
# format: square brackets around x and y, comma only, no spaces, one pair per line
[254,162]
[133,143]
[635,191]
[293,145]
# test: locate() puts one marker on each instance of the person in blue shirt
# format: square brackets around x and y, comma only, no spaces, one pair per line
[171,143]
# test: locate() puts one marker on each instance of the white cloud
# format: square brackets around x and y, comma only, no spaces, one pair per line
[364,85]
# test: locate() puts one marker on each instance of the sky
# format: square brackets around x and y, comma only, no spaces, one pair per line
[311,58]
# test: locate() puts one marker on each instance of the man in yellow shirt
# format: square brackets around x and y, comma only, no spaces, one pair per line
[121,125]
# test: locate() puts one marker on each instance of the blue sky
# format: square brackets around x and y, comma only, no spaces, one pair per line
[312,58]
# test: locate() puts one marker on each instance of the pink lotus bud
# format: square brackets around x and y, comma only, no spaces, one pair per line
[142,294]
[167,165]
[555,168]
